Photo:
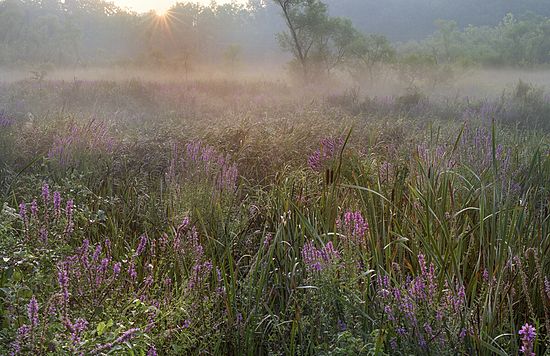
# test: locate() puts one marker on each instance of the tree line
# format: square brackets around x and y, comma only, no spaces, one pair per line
[96,32]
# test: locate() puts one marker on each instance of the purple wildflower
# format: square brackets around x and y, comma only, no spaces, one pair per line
[32,312]
[97,253]
[199,274]
[342,325]
[354,226]
[325,153]
[132,271]
[116,269]
[152,351]
[43,235]
[142,244]
[23,211]
[45,192]
[63,280]
[57,203]
[34,209]
[69,214]
[528,335]
[79,326]
[317,259]
[126,336]
[22,334]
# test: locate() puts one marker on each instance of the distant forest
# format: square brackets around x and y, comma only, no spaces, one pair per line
[94,32]
[403,20]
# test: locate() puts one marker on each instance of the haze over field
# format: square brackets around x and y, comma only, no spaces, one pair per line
[161,6]
[275,177]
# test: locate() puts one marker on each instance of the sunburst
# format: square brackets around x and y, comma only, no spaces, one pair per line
[161,12]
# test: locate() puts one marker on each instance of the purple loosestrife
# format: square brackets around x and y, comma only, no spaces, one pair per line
[355,228]
[528,335]
[90,137]
[125,337]
[101,271]
[199,161]
[415,311]
[317,260]
[327,151]
[83,254]
[43,235]
[199,275]
[23,213]
[152,351]
[32,312]
[132,271]
[57,204]
[142,245]
[69,211]
[116,269]
[23,334]
[228,177]
[63,281]
[34,209]
[76,329]
[45,193]
[97,253]
[24,217]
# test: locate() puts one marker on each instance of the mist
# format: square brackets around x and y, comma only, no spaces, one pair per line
[275,177]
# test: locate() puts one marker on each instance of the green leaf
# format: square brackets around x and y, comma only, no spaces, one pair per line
[101,328]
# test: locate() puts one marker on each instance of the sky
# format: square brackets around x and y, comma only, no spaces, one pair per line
[157,5]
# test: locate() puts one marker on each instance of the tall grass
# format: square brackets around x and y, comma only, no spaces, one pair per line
[233,219]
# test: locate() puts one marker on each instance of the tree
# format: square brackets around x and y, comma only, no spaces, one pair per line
[336,45]
[369,52]
[305,20]
[316,40]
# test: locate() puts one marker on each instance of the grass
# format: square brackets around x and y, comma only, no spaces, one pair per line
[454,259]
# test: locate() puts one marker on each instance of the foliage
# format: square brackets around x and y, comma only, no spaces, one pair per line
[423,229]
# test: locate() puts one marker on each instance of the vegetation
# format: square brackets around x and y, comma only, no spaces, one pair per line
[274,224]
[193,214]
[44,35]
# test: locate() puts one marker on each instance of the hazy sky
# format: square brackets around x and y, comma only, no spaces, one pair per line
[158,5]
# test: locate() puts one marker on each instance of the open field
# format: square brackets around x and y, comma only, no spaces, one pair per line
[225,216]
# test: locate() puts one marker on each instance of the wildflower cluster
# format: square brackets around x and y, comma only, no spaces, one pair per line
[316,260]
[420,314]
[47,216]
[325,154]
[70,148]
[354,228]
[528,335]
[197,161]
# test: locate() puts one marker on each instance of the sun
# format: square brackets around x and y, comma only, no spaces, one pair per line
[161,11]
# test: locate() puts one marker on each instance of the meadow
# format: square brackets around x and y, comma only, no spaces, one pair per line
[255,217]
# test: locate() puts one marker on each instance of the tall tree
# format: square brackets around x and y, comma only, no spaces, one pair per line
[316,40]
[305,20]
